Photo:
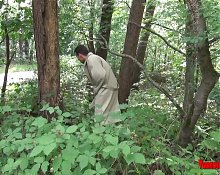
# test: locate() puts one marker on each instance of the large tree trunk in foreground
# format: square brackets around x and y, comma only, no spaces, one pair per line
[46,43]
[142,45]
[105,27]
[209,75]
[130,47]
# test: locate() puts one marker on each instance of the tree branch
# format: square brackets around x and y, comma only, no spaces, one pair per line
[150,30]
[155,84]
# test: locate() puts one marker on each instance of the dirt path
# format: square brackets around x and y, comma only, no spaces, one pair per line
[15,77]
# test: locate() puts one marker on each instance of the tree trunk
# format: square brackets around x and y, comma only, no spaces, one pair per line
[130,48]
[26,49]
[7,64]
[208,73]
[105,27]
[142,45]
[46,43]
[90,43]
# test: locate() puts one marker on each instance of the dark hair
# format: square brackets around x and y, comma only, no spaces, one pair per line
[81,49]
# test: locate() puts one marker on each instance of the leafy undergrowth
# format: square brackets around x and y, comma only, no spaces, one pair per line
[143,143]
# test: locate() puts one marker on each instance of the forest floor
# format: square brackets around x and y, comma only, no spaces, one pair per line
[16,77]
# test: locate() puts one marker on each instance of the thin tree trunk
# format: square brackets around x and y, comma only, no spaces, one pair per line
[130,48]
[142,45]
[208,73]
[105,27]
[46,43]
[7,64]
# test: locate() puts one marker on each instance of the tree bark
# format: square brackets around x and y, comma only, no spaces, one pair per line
[130,48]
[46,43]
[90,43]
[142,45]
[208,73]
[105,27]
[7,64]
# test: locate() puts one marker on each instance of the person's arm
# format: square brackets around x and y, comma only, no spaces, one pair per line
[97,72]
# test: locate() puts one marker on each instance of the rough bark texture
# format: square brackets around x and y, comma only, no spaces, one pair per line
[46,43]
[142,45]
[130,47]
[105,27]
[209,75]
[189,89]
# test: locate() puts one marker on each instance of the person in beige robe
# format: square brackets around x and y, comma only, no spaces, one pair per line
[105,85]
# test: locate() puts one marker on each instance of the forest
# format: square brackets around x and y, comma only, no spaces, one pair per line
[165,55]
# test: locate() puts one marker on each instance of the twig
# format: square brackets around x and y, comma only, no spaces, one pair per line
[155,33]
[155,84]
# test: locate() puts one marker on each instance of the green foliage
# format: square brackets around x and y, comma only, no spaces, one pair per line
[31,144]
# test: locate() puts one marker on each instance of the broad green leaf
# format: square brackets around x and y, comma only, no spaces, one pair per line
[126,150]
[44,166]
[108,149]
[49,148]
[83,161]
[103,171]
[99,129]
[69,154]
[139,158]
[24,163]
[216,135]
[39,122]
[89,172]
[110,139]
[39,159]
[98,166]
[56,163]
[66,166]
[60,128]
[66,114]
[6,109]
[46,139]
[35,168]
[37,150]
[71,129]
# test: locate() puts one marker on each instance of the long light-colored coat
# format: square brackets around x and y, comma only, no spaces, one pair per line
[105,86]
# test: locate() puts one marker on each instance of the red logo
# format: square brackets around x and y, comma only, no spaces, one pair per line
[209,165]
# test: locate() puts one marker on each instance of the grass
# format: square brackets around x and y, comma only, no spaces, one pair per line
[19,67]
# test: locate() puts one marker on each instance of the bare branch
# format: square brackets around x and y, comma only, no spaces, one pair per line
[155,84]
[150,30]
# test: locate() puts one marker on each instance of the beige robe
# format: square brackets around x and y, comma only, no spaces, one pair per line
[105,87]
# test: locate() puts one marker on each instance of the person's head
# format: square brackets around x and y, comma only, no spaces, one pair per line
[81,53]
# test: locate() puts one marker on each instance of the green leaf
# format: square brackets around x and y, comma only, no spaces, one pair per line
[126,150]
[66,166]
[71,129]
[139,158]
[89,172]
[49,148]
[99,129]
[216,135]
[6,109]
[35,168]
[83,161]
[69,154]
[51,110]
[110,139]
[103,171]
[158,172]
[60,128]
[56,163]
[39,122]
[66,114]
[44,166]
[24,164]
[46,139]
[98,166]
[39,159]
[108,149]
[37,150]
